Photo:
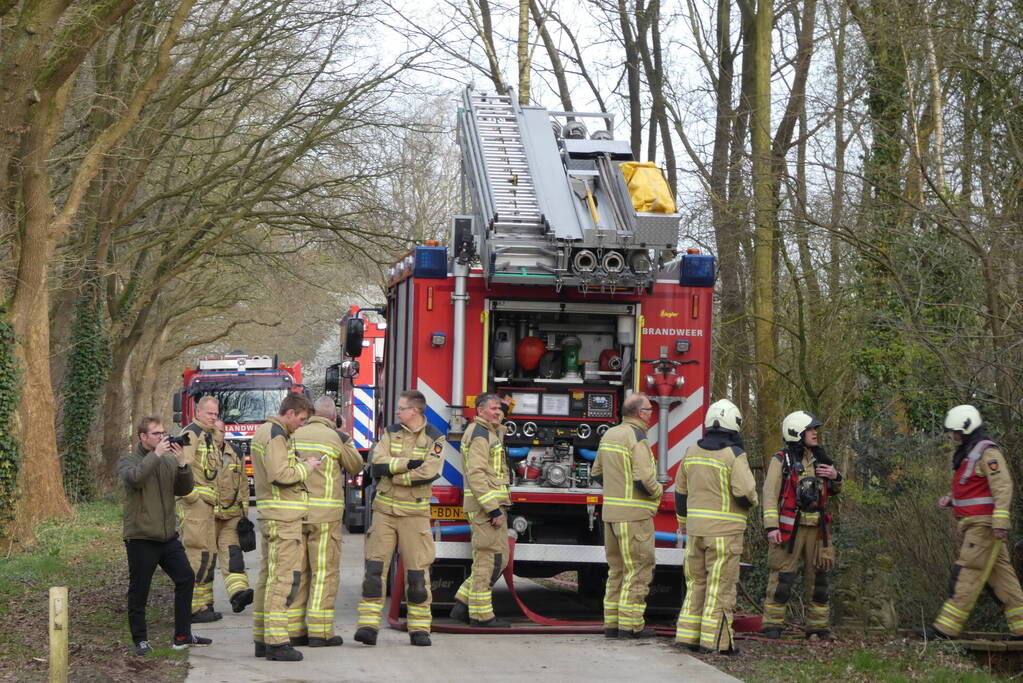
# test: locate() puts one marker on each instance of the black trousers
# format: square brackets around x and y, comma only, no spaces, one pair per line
[143,559]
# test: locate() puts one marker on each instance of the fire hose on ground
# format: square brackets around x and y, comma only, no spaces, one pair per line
[539,623]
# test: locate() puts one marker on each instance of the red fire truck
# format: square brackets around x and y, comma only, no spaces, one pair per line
[249,389]
[562,289]
[352,383]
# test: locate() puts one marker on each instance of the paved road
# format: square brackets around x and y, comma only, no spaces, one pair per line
[452,658]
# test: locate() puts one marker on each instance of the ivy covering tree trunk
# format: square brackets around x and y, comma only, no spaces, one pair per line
[88,367]
[10,383]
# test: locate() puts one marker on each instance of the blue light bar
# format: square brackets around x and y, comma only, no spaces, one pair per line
[431,262]
[697,270]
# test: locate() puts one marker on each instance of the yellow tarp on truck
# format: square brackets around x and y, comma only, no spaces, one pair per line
[647,187]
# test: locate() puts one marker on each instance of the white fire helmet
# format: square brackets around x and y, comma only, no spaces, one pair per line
[964,418]
[722,414]
[794,424]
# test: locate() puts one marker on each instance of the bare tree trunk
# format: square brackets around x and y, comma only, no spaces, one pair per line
[553,54]
[765,220]
[632,66]
[523,52]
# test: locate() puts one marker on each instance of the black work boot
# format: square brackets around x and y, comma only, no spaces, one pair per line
[366,635]
[822,634]
[205,616]
[260,648]
[283,653]
[610,633]
[420,638]
[333,641]
[240,599]
[492,622]
[299,641]
[460,612]
[930,633]
[645,633]
[772,632]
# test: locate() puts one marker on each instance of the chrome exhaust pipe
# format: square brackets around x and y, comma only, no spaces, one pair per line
[613,262]
[584,261]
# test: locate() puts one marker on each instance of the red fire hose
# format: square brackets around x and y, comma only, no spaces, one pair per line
[540,624]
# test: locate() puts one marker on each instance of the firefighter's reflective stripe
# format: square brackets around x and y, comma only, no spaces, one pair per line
[716,514]
[632,503]
[281,505]
[417,506]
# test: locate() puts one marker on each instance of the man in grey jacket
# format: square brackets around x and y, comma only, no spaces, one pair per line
[153,474]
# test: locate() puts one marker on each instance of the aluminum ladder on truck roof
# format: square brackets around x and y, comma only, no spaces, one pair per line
[496,156]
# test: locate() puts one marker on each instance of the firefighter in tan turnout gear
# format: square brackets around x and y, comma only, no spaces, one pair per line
[311,614]
[981,499]
[714,492]
[407,459]
[800,479]
[281,502]
[232,504]
[626,467]
[196,517]
[486,504]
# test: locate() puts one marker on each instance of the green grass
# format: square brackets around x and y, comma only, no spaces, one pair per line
[892,662]
[85,553]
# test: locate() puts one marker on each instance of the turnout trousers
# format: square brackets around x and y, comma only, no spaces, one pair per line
[489,559]
[232,560]
[629,548]
[964,585]
[783,566]
[712,571]
[280,575]
[197,528]
[411,536]
[312,612]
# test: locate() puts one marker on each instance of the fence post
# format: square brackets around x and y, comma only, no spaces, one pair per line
[58,634]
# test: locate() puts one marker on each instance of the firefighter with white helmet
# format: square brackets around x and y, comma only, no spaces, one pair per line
[714,492]
[981,499]
[626,468]
[800,479]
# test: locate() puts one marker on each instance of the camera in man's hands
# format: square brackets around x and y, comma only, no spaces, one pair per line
[180,440]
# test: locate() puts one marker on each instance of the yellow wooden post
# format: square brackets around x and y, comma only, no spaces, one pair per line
[58,634]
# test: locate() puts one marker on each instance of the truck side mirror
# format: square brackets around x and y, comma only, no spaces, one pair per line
[177,404]
[354,330]
[332,380]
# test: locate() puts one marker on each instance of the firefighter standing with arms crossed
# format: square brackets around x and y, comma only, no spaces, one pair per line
[981,499]
[407,459]
[714,491]
[626,467]
[281,502]
[800,479]
[486,504]
[232,504]
[196,516]
[321,530]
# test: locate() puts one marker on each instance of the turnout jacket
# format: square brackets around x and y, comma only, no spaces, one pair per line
[151,481]
[775,493]
[232,485]
[319,439]
[205,461]
[280,476]
[485,468]
[714,491]
[627,466]
[982,489]
[407,462]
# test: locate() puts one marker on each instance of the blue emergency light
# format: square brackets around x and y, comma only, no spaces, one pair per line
[697,270]
[431,262]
